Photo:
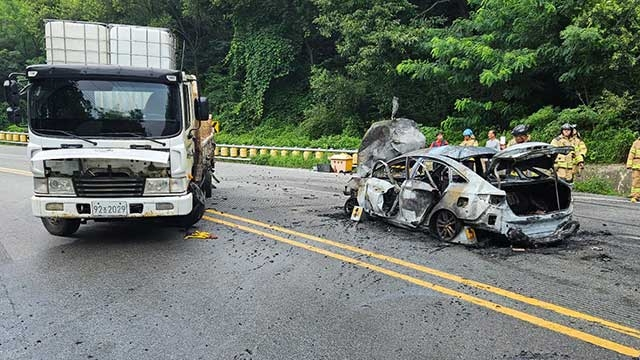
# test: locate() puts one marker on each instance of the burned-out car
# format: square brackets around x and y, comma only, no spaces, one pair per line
[455,191]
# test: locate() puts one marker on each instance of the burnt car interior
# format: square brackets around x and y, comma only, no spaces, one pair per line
[437,175]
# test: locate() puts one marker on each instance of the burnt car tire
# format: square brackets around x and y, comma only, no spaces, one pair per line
[445,225]
[61,227]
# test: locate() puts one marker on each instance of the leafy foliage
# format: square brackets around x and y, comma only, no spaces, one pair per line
[319,72]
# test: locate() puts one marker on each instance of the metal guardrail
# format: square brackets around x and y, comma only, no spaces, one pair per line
[14,137]
[246,152]
[227,151]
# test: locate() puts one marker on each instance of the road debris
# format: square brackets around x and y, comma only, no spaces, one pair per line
[201,235]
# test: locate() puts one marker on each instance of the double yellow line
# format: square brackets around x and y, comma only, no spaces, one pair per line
[565,330]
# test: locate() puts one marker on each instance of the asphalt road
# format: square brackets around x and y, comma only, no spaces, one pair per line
[290,277]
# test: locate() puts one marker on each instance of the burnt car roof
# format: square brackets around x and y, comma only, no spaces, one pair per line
[457,152]
[103,71]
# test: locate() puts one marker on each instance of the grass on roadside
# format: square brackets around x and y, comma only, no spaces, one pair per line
[288,161]
[595,185]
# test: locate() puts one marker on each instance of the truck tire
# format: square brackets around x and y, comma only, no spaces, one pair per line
[207,184]
[61,227]
[197,209]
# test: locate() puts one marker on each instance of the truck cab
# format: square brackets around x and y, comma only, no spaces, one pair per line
[115,142]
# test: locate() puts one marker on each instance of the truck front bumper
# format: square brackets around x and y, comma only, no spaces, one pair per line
[81,208]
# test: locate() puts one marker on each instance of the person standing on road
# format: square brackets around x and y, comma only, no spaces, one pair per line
[520,135]
[581,151]
[633,164]
[440,141]
[564,163]
[469,138]
[492,142]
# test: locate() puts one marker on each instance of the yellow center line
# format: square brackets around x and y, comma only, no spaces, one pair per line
[15,171]
[577,334]
[451,277]
[505,293]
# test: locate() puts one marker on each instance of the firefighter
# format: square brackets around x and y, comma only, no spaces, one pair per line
[564,163]
[520,135]
[581,151]
[633,164]
[469,138]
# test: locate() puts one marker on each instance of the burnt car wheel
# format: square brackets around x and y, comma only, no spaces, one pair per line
[61,227]
[349,205]
[446,225]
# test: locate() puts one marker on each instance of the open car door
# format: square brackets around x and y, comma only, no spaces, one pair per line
[379,193]
[418,194]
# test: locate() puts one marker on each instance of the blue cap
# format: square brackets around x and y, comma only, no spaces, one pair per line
[467,132]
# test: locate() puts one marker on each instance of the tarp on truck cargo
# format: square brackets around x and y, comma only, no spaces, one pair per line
[387,139]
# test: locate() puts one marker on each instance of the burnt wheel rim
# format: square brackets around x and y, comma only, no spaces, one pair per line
[349,205]
[447,226]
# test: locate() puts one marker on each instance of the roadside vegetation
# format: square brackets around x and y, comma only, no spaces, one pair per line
[595,185]
[317,73]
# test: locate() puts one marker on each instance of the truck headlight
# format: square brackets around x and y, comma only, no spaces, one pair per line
[156,186]
[60,186]
[178,185]
[40,185]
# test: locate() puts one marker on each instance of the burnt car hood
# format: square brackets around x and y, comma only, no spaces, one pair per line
[530,154]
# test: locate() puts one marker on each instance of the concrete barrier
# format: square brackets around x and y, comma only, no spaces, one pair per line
[615,175]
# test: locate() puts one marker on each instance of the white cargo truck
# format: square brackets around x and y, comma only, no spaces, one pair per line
[115,132]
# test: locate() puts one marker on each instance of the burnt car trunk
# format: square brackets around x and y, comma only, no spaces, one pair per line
[527,198]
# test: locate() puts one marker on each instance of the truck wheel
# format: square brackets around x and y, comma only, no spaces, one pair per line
[197,209]
[61,227]
[207,184]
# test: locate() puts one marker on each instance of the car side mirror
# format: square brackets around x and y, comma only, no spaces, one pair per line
[202,108]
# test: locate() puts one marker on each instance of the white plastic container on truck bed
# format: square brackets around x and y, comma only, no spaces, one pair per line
[76,42]
[142,46]
[84,43]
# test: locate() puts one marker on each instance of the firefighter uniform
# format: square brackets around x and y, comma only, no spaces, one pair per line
[514,142]
[633,163]
[581,151]
[469,142]
[564,163]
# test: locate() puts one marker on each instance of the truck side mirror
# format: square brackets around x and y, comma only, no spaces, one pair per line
[12,93]
[202,108]
[13,115]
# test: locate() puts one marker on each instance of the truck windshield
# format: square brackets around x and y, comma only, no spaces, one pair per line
[102,108]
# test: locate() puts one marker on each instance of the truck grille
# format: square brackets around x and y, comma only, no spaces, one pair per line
[98,187]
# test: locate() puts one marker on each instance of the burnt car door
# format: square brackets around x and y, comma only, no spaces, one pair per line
[380,191]
[419,193]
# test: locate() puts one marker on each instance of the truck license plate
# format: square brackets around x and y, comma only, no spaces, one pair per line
[109,208]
